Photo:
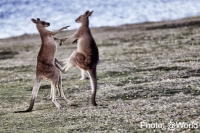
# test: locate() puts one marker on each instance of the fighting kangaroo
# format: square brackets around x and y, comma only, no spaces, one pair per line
[46,67]
[87,56]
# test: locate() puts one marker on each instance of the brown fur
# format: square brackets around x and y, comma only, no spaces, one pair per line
[46,67]
[87,56]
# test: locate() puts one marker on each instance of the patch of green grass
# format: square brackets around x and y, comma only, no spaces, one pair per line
[8,54]
[143,76]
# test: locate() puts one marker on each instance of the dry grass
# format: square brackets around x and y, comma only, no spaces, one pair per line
[144,76]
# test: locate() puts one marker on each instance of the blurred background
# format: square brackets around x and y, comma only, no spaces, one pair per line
[15,15]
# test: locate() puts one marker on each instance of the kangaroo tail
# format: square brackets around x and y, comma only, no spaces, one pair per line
[29,109]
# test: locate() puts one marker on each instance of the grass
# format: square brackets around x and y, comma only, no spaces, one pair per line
[144,75]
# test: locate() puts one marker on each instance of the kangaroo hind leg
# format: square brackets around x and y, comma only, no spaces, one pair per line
[62,62]
[70,62]
[62,95]
[83,75]
[53,93]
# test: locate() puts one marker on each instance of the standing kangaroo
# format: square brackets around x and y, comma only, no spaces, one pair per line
[46,67]
[87,56]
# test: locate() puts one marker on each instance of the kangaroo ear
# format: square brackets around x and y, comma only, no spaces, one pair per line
[90,13]
[86,13]
[38,19]
[33,20]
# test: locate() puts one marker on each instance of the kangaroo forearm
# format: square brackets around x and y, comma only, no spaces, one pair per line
[56,32]
[59,30]
[74,36]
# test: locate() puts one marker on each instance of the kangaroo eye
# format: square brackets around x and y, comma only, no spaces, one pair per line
[43,23]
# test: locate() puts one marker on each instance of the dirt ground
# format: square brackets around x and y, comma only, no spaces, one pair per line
[148,81]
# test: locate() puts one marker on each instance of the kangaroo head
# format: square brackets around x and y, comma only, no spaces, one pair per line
[83,17]
[40,23]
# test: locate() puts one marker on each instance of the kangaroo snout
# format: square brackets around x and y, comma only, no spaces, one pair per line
[77,20]
[46,23]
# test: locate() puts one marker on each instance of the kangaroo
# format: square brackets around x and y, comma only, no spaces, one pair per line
[46,67]
[86,57]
